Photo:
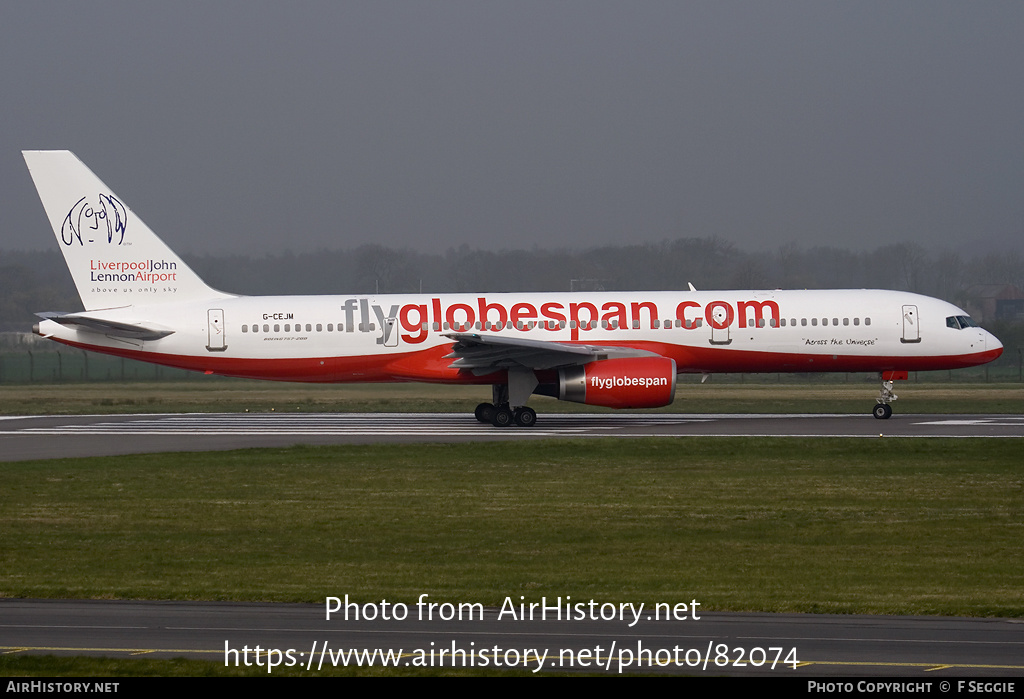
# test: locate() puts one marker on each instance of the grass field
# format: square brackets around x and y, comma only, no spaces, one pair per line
[847,526]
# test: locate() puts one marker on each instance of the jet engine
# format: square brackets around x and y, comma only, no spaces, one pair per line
[629,382]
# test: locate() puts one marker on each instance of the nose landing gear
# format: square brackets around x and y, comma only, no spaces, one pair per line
[883,409]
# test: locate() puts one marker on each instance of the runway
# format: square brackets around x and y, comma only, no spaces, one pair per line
[779,645]
[50,437]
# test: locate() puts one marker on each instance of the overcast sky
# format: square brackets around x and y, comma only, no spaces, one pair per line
[259,127]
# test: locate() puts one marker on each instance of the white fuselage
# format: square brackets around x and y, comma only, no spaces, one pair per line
[404,337]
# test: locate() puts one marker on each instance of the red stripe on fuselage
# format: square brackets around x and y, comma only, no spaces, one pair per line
[430,365]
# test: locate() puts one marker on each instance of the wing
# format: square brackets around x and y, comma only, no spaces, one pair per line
[112,328]
[483,354]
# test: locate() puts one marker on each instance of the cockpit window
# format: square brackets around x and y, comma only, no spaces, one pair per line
[960,322]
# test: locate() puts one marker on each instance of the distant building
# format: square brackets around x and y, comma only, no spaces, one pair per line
[21,340]
[990,302]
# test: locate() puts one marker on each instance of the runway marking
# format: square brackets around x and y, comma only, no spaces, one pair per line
[1003,421]
[929,667]
[130,651]
[427,426]
[385,424]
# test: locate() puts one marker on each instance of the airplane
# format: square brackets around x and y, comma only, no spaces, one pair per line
[613,349]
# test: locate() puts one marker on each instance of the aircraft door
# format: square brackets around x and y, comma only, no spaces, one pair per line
[391,332]
[215,330]
[911,328]
[721,319]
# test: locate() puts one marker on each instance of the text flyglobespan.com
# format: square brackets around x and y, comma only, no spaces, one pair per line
[563,609]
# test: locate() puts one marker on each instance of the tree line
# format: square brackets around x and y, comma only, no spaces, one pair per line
[39,281]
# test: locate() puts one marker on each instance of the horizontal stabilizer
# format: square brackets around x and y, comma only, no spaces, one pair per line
[113,328]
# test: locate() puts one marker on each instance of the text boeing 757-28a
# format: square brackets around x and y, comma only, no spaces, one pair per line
[615,349]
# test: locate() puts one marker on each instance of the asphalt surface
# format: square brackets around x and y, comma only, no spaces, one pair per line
[50,437]
[780,645]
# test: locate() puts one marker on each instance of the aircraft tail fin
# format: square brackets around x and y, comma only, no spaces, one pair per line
[114,258]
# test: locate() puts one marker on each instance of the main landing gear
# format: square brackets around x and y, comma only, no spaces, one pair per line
[501,412]
[504,416]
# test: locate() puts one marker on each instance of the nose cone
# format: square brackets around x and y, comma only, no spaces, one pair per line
[993,345]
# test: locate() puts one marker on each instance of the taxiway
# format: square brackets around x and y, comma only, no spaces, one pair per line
[925,648]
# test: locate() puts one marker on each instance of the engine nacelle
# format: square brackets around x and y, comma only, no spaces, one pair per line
[630,382]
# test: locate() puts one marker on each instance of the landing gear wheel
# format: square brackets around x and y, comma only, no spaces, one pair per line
[484,412]
[883,411]
[526,417]
[502,416]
